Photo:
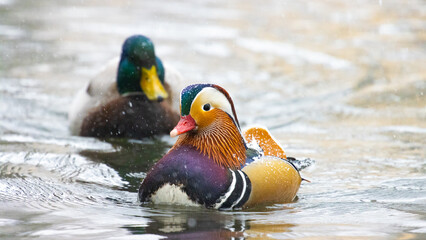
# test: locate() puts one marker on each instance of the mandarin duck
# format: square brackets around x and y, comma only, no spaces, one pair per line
[128,101]
[211,164]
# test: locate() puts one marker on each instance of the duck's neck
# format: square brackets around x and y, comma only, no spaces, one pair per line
[128,77]
[223,143]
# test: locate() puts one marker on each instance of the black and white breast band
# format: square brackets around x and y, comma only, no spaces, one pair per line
[237,193]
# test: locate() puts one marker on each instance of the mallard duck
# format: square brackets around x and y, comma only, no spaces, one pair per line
[133,101]
[211,164]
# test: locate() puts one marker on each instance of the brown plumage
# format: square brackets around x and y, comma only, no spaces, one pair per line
[132,117]
[220,141]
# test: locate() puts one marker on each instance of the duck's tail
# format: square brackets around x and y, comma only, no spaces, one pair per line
[300,164]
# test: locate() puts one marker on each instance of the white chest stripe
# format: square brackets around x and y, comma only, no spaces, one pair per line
[228,193]
[244,189]
[172,194]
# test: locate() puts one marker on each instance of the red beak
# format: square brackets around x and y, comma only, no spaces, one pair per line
[186,123]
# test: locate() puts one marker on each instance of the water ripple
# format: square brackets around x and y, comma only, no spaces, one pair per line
[67,168]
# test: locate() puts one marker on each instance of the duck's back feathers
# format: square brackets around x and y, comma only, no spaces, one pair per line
[260,136]
[104,84]
[175,83]
[98,91]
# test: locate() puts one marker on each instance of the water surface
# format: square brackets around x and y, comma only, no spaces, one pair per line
[340,82]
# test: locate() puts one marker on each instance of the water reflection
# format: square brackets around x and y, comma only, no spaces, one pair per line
[339,82]
[196,224]
[185,223]
[133,160]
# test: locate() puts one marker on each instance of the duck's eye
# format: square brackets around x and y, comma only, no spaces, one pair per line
[206,107]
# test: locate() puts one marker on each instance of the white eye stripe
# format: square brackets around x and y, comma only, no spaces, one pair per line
[216,99]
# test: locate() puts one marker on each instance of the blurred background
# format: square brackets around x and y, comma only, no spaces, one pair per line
[341,82]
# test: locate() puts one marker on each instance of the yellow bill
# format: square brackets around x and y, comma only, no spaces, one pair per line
[151,85]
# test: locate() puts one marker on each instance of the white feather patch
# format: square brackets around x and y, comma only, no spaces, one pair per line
[216,99]
[172,194]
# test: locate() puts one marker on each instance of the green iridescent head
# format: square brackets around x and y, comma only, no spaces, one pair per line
[187,96]
[139,70]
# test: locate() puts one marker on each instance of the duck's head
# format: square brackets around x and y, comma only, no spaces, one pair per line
[209,122]
[140,71]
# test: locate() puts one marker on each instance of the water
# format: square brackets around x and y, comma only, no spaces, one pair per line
[340,82]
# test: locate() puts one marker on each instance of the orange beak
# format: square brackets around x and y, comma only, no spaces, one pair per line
[186,123]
